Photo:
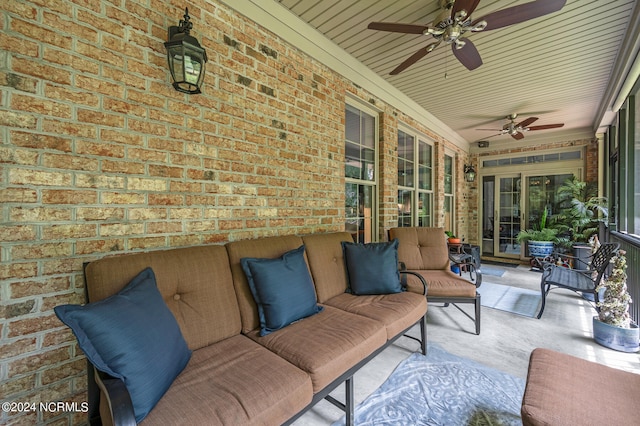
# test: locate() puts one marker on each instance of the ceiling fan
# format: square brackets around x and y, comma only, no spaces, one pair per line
[516,131]
[454,23]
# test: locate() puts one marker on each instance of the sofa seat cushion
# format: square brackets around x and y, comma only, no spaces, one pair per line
[234,381]
[396,311]
[442,283]
[565,390]
[327,344]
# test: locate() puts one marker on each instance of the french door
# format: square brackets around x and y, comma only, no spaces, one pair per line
[501,215]
[511,202]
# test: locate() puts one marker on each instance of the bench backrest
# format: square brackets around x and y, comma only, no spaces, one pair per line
[422,248]
[326,262]
[195,283]
[263,248]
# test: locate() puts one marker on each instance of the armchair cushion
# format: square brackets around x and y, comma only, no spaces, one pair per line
[132,336]
[372,268]
[282,289]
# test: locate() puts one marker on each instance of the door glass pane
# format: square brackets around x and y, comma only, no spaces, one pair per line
[542,194]
[488,204]
[509,219]
[448,213]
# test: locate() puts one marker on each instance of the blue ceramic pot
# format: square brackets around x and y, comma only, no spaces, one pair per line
[617,338]
[540,248]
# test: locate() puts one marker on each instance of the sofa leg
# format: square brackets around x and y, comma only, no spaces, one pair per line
[349,408]
[477,313]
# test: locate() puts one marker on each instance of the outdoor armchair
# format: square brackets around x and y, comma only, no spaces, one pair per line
[578,280]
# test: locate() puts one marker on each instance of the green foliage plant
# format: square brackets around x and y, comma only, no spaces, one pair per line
[580,213]
[539,233]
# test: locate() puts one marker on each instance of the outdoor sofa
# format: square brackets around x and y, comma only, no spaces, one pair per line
[227,359]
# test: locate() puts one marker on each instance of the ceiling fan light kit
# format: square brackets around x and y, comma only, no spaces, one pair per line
[454,23]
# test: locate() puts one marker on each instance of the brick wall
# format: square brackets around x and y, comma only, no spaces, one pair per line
[99,155]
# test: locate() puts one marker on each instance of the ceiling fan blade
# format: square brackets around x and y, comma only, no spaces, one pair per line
[468,55]
[521,13]
[468,5]
[410,61]
[491,130]
[397,27]
[525,123]
[518,136]
[546,126]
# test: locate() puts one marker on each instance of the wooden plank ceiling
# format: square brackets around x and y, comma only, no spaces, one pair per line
[555,67]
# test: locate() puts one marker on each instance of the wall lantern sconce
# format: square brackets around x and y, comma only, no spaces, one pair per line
[186,57]
[469,173]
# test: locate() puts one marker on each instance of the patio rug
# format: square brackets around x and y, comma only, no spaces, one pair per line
[490,270]
[516,300]
[443,389]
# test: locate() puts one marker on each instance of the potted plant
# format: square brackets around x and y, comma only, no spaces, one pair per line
[540,240]
[452,238]
[612,327]
[580,213]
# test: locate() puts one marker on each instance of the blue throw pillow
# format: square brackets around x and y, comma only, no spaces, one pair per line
[372,268]
[133,336]
[282,289]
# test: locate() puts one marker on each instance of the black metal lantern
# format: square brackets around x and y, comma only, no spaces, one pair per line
[186,57]
[469,173]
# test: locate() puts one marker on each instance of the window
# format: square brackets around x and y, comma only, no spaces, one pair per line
[360,173]
[449,198]
[623,141]
[415,181]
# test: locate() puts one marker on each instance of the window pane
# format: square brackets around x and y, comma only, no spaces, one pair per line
[448,174]
[352,125]
[368,130]
[353,165]
[424,168]
[424,209]
[359,211]
[405,202]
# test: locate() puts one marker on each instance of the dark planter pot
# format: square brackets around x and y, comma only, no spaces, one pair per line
[617,338]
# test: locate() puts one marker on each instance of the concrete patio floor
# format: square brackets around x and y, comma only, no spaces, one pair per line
[505,342]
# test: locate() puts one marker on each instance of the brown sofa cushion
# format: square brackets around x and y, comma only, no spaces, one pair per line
[422,248]
[442,284]
[235,381]
[270,248]
[327,344]
[397,311]
[565,390]
[194,282]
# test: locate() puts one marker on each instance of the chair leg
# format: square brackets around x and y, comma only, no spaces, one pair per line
[423,334]
[544,298]
[349,401]
[477,306]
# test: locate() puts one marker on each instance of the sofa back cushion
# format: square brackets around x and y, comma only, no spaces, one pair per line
[422,248]
[326,261]
[194,282]
[263,248]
